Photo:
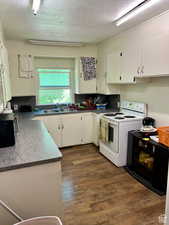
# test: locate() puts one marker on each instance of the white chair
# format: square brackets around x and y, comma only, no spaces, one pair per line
[45,220]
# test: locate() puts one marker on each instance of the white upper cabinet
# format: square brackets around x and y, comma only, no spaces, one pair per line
[83,86]
[130,68]
[4,70]
[155,55]
[144,52]
[114,67]
[155,48]
[7,85]
[123,65]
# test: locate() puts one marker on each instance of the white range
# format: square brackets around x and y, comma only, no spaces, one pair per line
[119,123]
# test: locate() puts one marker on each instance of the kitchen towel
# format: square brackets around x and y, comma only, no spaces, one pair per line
[88,67]
[25,66]
[104,130]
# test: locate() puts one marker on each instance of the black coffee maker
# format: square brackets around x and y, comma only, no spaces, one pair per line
[148,122]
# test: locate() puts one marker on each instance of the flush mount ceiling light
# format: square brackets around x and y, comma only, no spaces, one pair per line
[55,43]
[36,6]
[136,10]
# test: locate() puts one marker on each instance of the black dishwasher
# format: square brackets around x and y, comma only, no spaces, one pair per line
[147,161]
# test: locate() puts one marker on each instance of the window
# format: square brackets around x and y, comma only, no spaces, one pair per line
[54,86]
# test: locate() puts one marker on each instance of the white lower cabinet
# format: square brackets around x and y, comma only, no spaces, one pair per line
[70,129]
[96,128]
[87,128]
[53,124]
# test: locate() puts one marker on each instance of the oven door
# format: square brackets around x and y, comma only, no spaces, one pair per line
[113,137]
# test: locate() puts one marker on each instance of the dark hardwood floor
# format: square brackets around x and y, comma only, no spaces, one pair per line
[95,192]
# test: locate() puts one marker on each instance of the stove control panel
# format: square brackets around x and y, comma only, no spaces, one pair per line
[134,106]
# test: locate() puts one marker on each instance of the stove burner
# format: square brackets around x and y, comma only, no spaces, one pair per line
[129,116]
[113,114]
[119,118]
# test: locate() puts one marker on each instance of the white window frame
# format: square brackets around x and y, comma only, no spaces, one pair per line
[70,87]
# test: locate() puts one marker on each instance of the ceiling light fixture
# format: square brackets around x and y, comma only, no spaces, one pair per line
[36,6]
[135,11]
[55,43]
[129,7]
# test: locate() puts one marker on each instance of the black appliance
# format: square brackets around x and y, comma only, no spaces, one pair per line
[7,131]
[147,161]
[25,108]
[148,121]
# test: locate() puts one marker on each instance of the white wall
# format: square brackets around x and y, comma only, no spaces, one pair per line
[21,86]
[155,93]
[1,33]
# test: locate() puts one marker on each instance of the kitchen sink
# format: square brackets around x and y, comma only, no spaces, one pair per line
[58,111]
[51,110]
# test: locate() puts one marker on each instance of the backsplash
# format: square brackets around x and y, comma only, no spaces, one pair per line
[111,100]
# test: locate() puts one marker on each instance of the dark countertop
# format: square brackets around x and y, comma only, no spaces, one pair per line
[42,113]
[34,146]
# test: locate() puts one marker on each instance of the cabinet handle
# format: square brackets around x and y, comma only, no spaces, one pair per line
[120,77]
[138,70]
[62,126]
[59,127]
[134,79]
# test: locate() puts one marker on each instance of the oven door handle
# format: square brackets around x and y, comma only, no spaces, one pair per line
[113,125]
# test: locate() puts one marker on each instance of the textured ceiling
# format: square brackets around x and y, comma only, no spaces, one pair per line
[69,20]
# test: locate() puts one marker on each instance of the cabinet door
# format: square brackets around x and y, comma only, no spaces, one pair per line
[6,78]
[114,67]
[87,119]
[53,124]
[95,129]
[155,55]
[131,58]
[83,86]
[1,84]
[72,130]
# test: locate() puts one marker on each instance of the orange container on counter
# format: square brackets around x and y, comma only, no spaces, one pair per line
[163,133]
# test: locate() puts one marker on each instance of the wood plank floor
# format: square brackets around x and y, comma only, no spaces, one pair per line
[95,192]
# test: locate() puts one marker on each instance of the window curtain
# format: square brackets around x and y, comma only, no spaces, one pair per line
[88,67]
